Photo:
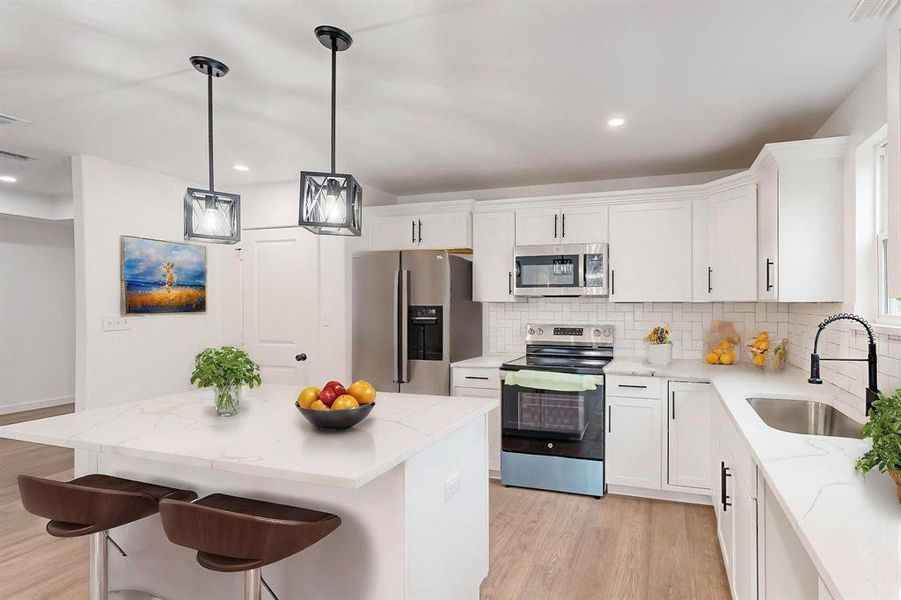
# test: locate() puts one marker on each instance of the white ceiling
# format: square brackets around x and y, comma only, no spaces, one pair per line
[433,96]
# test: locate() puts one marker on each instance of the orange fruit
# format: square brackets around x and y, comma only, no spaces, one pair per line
[307,397]
[344,402]
[318,405]
[712,358]
[362,391]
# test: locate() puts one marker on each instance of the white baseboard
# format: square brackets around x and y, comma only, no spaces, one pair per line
[624,490]
[34,404]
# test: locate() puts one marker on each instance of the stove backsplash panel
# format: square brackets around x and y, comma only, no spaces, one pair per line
[688,322]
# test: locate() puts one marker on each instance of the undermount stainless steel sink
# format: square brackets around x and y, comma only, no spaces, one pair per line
[805,416]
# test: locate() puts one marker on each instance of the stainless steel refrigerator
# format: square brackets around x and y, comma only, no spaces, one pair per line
[413,315]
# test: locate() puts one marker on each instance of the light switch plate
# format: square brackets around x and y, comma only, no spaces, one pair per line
[452,486]
[115,323]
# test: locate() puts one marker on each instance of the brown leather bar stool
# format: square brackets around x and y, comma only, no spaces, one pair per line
[234,534]
[91,505]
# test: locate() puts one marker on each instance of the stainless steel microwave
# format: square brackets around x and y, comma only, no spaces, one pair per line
[563,270]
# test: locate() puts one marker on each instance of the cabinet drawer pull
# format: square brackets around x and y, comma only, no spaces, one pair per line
[633,386]
[476,377]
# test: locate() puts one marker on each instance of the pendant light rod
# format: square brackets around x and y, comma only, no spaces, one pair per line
[211,68]
[209,110]
[336,40]
[334,69]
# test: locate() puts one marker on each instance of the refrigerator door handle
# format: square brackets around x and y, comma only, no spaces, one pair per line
[404,315]
[396,376]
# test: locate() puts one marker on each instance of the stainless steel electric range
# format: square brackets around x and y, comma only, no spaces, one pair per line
[552,439]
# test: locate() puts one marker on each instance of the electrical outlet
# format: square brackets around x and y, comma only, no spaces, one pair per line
[452,486]
[115,323]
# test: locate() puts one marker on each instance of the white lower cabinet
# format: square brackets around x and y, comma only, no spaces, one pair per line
[482,383]
[688,435]
[633,450]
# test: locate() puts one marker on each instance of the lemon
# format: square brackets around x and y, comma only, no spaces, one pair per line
[712,358]
[725,345]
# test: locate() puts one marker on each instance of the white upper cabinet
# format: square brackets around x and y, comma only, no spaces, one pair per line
[390,232]
[438,226]
[578,224]
[583,225]
[536,226]
[493,235]
[436,231]
[725,245]
[651,252]
[799,221]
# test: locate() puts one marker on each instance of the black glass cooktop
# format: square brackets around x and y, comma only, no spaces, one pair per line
[582,366]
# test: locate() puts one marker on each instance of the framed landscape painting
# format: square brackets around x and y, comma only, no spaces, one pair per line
[162,277]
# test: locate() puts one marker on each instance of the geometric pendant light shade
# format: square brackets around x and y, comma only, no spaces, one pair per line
[331,203]
[211,216]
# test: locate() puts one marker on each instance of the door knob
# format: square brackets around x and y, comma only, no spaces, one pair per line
[300,357]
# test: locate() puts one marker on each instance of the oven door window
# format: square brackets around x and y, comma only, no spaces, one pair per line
[544,413]
[547,271]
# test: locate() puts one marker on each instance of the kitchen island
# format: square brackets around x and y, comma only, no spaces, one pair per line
[409,483]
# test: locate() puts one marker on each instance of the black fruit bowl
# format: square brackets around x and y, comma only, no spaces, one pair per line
[336,419]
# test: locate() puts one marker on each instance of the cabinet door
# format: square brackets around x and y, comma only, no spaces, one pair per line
[437,231]
[493,238]
[650,252]
[537,226]
[583,225]
[768,234]
[494,424]
[732,244]
[722,503]
[633,442]
[391,232]
[688,435]
[744,539]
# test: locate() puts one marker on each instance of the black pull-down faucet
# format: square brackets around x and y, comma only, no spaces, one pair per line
[872,392]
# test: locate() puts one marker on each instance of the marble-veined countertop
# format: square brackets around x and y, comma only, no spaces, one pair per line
[268,437]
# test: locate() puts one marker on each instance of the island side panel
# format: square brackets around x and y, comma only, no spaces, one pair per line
[359,560]
[446,516]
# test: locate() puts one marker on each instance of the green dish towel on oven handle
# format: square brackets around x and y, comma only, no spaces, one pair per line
[546,380]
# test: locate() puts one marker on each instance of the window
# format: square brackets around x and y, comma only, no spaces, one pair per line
[889,308]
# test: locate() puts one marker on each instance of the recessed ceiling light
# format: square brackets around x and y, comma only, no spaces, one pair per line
[7,178]
[241,168]
[616,122]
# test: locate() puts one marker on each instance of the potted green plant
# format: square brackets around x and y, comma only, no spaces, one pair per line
[227,369]
[660,347]
[884,428]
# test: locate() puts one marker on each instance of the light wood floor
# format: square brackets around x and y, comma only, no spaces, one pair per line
[543,545]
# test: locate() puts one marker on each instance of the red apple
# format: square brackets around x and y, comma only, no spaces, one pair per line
[327,396]
[336,385]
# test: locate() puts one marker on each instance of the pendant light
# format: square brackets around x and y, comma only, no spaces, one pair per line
[331,203]
[211,216]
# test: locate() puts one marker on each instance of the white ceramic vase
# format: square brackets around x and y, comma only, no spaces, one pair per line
[660,354]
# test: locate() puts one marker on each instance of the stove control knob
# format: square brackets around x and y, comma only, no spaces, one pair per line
[531,331]
[540,331]
[608,332]
[597,333]
[550,445]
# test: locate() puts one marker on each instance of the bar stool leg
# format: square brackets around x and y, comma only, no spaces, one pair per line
[252,588]
[99,561]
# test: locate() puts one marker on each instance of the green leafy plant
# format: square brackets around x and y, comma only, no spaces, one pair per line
[224,367]
[658,335]
[884,428]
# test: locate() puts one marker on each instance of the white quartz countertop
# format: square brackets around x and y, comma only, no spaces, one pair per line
[850,525]
[268,438]
[487,361]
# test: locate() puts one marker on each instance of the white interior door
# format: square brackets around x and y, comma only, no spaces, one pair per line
[281,303]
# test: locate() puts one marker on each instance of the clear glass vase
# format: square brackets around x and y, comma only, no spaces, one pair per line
[228,400]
